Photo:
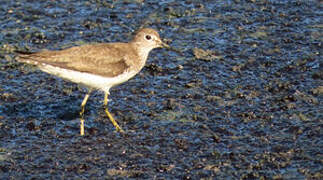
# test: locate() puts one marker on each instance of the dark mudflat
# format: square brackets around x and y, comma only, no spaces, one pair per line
[244,100]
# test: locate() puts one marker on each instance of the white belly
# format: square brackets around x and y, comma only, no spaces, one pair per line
[87,79]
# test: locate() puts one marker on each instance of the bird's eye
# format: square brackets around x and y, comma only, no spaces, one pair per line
[148,37]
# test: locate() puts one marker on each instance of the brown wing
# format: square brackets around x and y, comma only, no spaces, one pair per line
[101,59]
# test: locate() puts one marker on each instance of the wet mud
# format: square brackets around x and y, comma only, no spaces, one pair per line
[242,101]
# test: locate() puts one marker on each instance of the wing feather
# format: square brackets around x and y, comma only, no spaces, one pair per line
[101,59]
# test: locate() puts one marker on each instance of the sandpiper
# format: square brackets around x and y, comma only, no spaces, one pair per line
[98,66]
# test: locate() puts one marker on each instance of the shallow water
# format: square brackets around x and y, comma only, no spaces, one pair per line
[244,100]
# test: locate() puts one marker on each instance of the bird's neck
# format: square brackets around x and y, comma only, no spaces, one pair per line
[142,52]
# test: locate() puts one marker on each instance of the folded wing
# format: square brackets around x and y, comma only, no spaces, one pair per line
[96,58]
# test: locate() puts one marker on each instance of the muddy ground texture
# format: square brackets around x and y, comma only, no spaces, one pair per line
[243,100]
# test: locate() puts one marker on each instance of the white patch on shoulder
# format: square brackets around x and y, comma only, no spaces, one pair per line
[90,80]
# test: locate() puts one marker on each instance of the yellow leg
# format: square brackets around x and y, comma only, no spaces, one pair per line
[114,122]
[82,112]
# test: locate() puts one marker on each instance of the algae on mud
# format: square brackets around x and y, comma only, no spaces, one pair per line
[253,114]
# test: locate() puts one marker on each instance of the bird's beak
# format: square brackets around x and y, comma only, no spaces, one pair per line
[164,45]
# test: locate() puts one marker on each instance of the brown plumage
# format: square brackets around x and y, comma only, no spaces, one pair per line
[107,60]
[104,59]
[99,66]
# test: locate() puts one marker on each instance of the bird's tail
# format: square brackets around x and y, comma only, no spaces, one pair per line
[26,57]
